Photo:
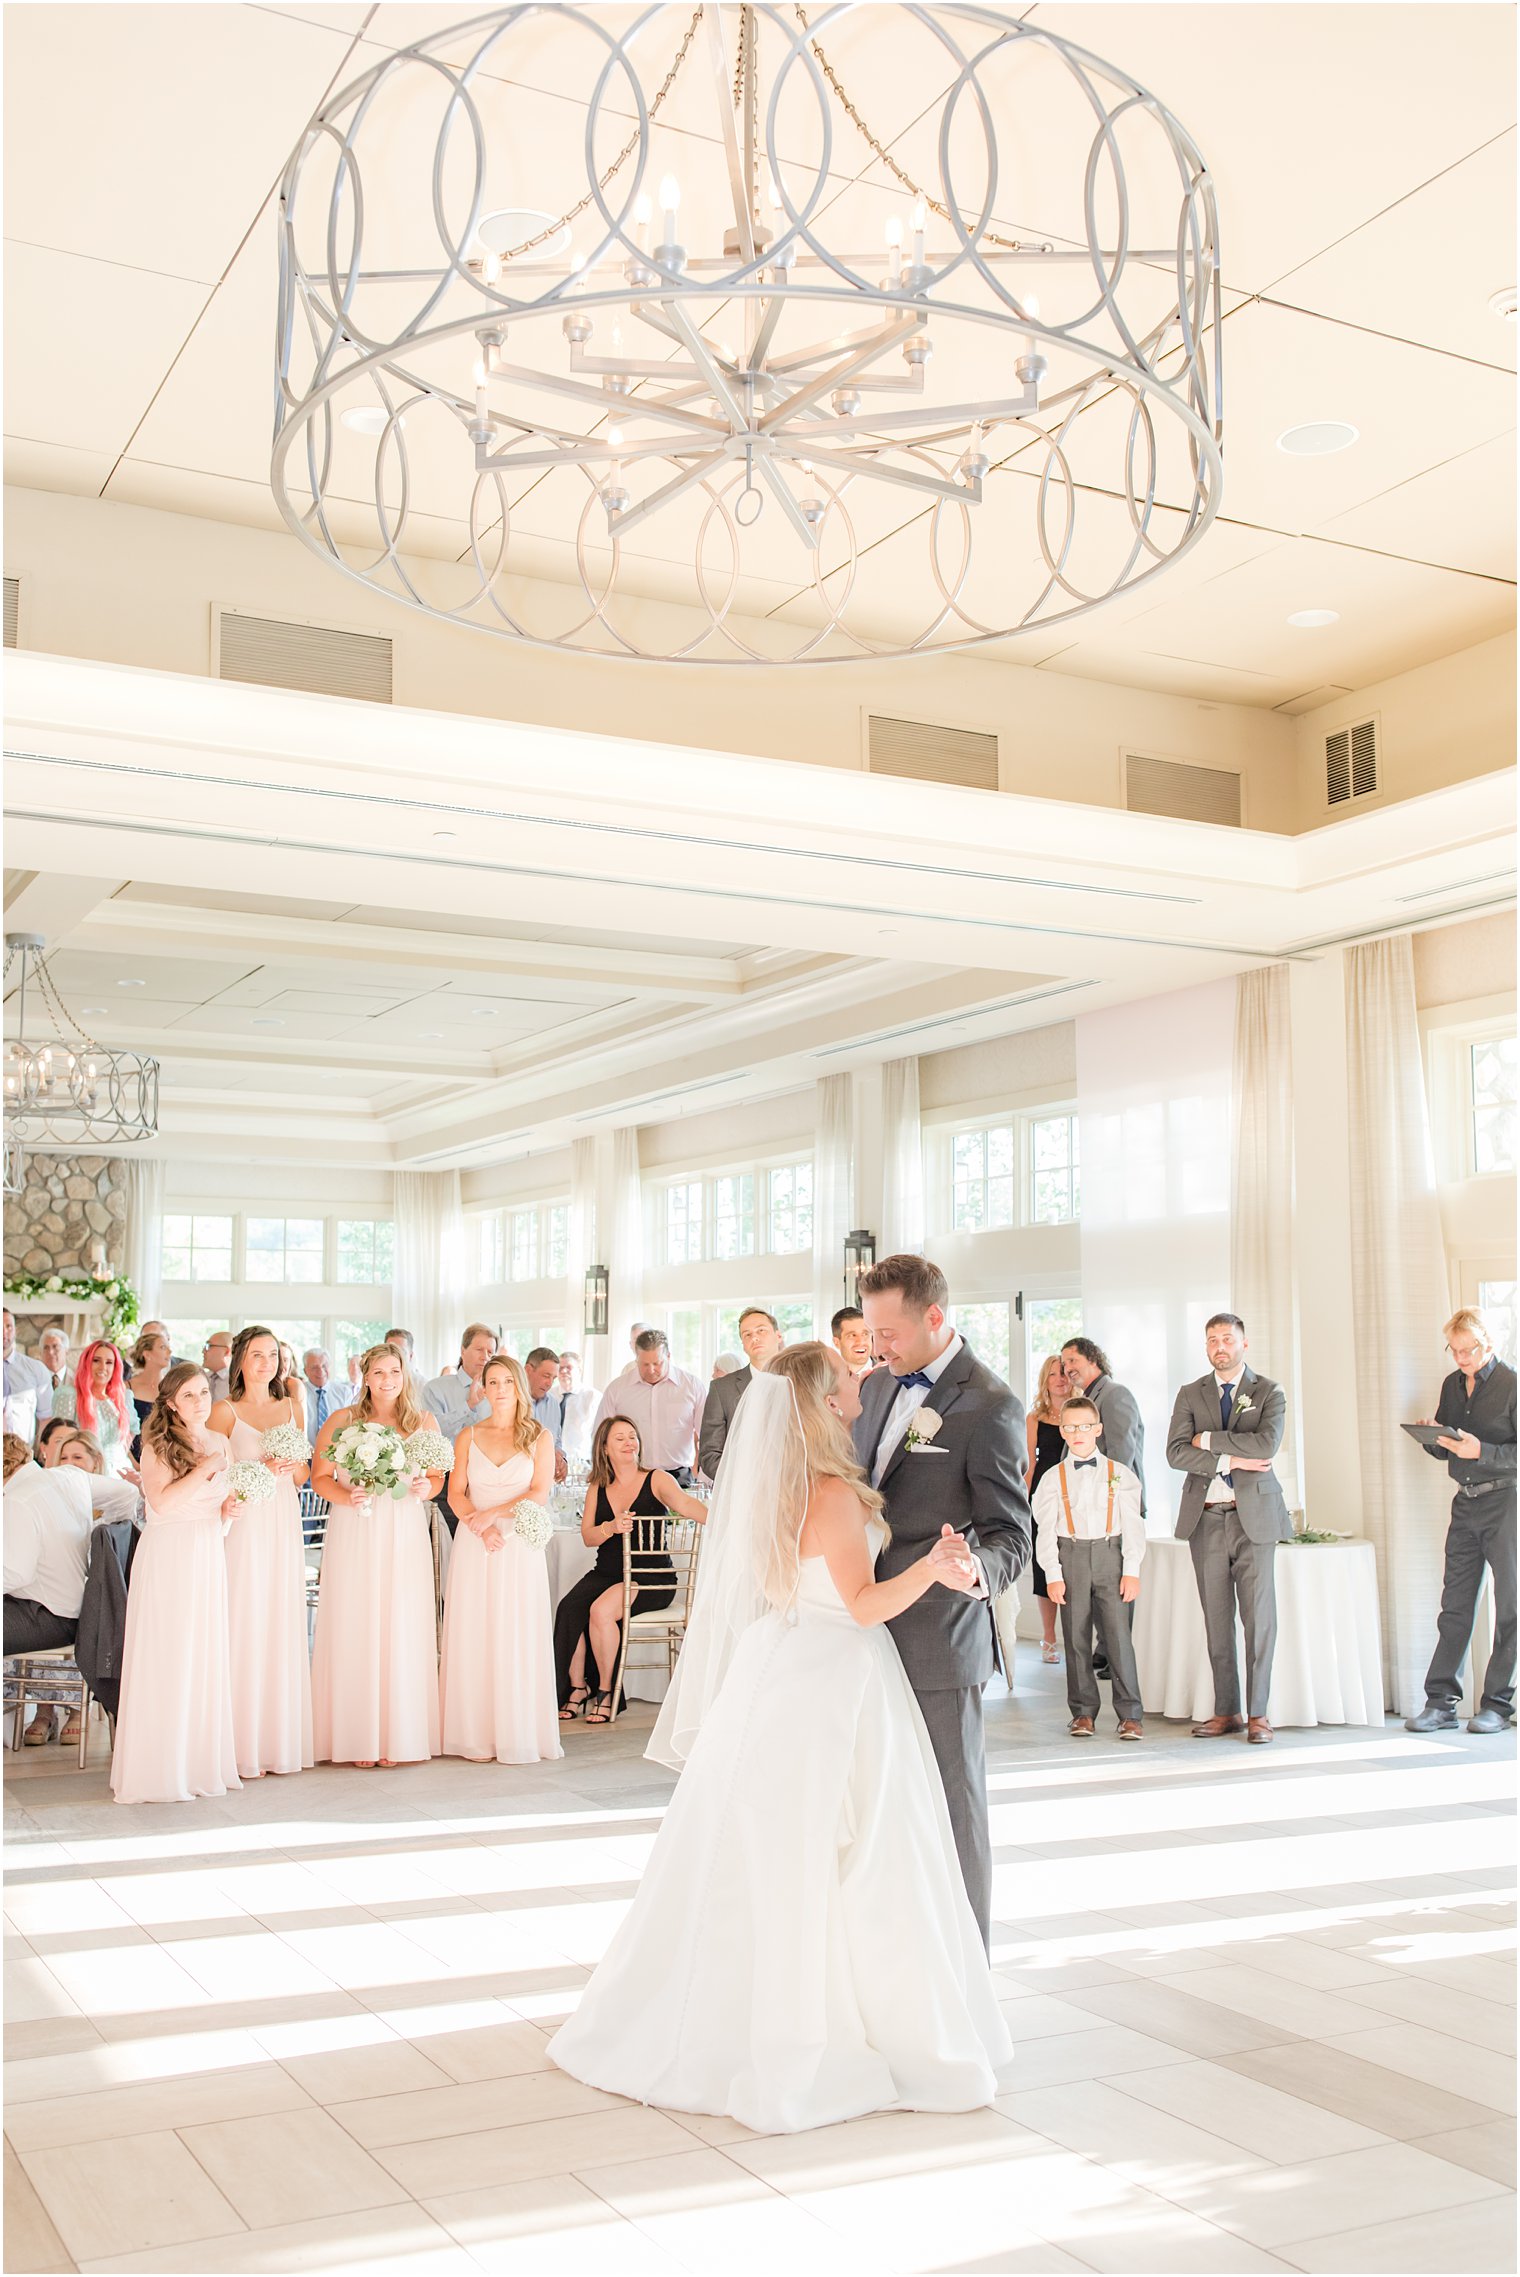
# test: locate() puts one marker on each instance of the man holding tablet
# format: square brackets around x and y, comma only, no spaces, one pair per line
[1477,1408]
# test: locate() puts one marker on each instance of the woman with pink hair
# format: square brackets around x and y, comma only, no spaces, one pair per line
[97,1401]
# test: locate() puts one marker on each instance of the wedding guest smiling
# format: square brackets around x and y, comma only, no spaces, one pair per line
[97,1400]
[852,1339]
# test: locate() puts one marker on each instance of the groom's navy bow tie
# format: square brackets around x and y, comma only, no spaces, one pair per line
[1087,1463]
[917,1377]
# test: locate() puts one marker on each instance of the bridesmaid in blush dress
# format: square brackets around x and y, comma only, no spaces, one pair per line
[496,1688]
[174,1730]
[374,1669]
[266,1571]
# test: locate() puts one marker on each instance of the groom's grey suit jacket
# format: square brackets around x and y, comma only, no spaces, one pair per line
[1256,1429]
[974,1482]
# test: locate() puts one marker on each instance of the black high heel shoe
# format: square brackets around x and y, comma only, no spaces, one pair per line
[573,1706]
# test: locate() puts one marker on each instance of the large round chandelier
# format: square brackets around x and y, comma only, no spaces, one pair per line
[64,1088]
[725,335]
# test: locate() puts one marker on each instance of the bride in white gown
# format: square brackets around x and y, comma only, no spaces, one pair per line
[801,1949]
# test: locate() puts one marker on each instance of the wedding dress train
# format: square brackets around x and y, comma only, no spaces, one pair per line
[801,1949]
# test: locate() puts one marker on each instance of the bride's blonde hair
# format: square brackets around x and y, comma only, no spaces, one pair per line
[818,1446]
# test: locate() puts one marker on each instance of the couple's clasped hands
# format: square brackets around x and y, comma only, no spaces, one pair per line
[951,1563]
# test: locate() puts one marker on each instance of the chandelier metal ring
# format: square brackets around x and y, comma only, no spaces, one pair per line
[1075,425]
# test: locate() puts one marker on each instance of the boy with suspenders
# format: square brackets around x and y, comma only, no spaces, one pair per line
[1090,1540]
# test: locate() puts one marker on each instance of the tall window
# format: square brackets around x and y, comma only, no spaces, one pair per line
[490,1246]
[683,1325]
[284,1249]
[1054,1176]
[795,1320]
[683,1222]
[300,1335]
[522,1246]
[789,1211]
[1049,1322]
[985,1328]
[983,1175]
[529,1243]
[734,1216]
[1497,1303]
[197,1249]
[366,1250]
[1492,1065]
[352,1339]
[554,1240]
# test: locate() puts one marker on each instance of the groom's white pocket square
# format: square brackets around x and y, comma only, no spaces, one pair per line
[928,1450]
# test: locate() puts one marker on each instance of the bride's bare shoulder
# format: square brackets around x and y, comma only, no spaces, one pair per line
[835,1507]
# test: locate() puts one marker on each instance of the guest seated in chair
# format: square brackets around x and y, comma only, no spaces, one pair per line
[47,1549]
[623,1498]
[1225,1430]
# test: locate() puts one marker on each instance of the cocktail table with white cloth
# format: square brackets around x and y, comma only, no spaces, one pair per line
[568,1559]
[1328,1666]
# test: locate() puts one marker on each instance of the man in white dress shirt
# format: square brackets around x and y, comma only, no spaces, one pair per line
[578,1404]
[28,1387]
[664,1404]
[47,1549]
[1090,1541]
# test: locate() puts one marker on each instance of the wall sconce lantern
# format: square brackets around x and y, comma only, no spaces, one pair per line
[595,1317]
[859,1257]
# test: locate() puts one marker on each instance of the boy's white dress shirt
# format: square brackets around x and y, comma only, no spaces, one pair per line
[1087,1483]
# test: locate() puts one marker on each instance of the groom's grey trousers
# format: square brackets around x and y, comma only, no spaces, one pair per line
[956,1735]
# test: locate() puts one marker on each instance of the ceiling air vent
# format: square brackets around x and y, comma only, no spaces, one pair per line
[12,609]
[1351,763]
[318,658]
[933,754]
[1187,793]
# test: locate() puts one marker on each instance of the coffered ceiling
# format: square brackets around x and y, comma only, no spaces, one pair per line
[1365,163]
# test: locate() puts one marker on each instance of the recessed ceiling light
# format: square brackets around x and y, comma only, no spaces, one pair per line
[432,1036]
[1318,439]
[445,834]
[369,419]
[1310,620]
[267,1023]
[1505,304]
[89,1009]
[499,232]
[486,1012]
[886,933]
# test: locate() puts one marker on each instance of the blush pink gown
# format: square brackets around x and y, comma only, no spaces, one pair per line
[266,1624]
[374,1668]
[497,1683]
[174,1730]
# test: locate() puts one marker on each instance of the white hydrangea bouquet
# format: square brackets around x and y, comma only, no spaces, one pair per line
[287,1443]
[533,1524]
[250,1482]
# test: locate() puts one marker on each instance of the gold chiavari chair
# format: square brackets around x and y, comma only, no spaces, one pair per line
[652,1640]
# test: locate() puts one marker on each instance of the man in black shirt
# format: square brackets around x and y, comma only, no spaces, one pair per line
[1478,1402]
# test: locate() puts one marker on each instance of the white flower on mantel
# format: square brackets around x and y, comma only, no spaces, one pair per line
[54,1282]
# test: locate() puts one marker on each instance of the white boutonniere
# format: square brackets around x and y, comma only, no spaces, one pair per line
[924,1427]
[1241,1407]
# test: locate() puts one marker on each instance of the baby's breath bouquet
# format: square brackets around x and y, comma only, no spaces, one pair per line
[430,1450]
[374,1458]
[287,1443]
[532,1524]
[250,1482]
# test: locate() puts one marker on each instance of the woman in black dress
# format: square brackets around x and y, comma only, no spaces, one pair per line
[622,1499]
[147,1367]
[1046,1448]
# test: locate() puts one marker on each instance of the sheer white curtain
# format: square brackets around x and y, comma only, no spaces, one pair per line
[430,1265]
[579,1257]
[622,1245]
[1398,1279]
[833,1195]
[902,1159]
[143,1247]
[1153,1094]
[1261,1194]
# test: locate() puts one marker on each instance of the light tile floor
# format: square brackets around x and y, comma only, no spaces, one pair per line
[1262,2004]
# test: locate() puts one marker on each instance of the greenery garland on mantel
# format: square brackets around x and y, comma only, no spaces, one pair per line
[111,1289]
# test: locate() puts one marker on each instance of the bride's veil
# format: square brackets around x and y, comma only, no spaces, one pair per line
[748,1563]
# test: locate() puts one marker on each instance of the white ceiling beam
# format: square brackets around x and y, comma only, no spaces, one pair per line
[53,902]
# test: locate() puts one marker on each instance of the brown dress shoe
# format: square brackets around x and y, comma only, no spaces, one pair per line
[1131,1730]
[1218,1727]
[1081,1727]
[1259,1731]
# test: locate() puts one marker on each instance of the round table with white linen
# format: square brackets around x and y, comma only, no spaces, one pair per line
[568,1558]
[1328,1666]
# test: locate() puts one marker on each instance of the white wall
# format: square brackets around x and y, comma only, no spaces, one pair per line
[131,585]
[1442,723]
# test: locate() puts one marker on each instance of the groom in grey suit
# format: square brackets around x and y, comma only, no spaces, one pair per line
[943,1440]
[1225,1430]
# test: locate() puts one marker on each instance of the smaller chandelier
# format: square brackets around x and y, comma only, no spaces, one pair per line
[70,1089]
